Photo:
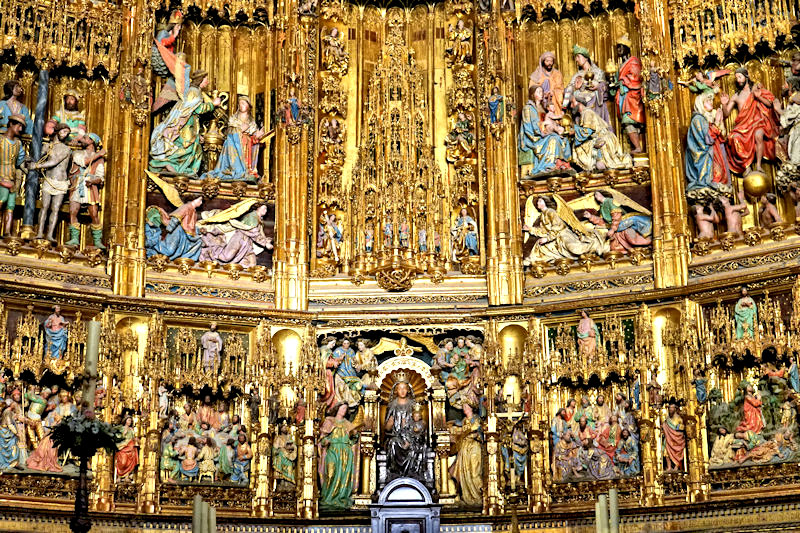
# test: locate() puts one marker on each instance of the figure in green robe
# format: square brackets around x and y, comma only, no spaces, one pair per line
[175,143]
[745,314]
[226,454]
[284,454]
[169,461]
[337,461]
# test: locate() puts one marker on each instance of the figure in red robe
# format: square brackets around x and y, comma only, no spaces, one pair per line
[628,89]
[127,456]
[756,127]
[674,439]
[752,420]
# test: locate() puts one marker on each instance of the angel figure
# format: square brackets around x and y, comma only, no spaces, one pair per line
[234,235]
[307,7]
[166,38]
[173,234]
[366,362]
[629,224]
[175,143]
[704,81]
[334,55]
[559,233]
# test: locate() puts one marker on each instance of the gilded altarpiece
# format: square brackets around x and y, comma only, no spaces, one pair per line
[525,252]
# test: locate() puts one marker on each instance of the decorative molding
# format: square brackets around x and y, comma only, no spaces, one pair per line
[588,285]
[745,262]
[267,296]
[400,299]
[99,282]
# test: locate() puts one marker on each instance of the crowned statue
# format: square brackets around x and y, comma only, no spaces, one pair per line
[406,432]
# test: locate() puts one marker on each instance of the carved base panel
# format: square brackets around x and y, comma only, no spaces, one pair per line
[222,497]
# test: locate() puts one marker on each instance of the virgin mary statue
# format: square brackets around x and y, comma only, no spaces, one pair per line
[405,442]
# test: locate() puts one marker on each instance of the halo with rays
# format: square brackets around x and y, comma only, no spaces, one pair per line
[415,380]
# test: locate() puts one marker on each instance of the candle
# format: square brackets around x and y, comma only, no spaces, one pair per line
[597,517]
[92,353]
[613,510]
[212,520]
[92,347]
[197,504]
[603,513]
[309,427]
[492,423]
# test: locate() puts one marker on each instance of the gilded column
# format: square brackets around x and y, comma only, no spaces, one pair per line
[261,485]
[697,491]
[537,496]
[496,68]
[131,149]
[296,50]
[367,441]
[147,501]
[670,229]
[307,504]
[102,497]
[645,349]
[444,483]
[492,501]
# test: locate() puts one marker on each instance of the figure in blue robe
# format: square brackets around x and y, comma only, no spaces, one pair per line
[496,106]
[55,333]
[346,370]
[539,150]
[700,386]
[465,235]
[794,378]
[239,157]
[9,449]
[627,455]
[6,111]
[173,235]
[241,461]
[706,158]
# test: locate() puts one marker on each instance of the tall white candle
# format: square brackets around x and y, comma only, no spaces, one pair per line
[613,510]
[91,356]
[92,347]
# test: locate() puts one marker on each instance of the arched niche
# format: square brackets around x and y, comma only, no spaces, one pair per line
[512,341]
[287,345]
[419,378]
[664,319]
